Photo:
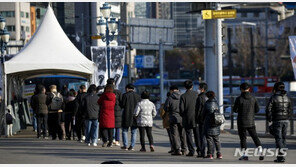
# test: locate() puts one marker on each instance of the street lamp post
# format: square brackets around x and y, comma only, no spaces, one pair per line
[107,25]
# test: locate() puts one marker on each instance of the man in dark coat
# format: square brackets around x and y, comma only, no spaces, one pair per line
[40,108]
[200,117]
[128,104]
[187,111]
[117,112]
[79,116]
[90,109]
[246,106]
[177,131]
[278,111]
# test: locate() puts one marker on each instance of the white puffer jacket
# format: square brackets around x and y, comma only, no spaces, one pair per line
[145,111]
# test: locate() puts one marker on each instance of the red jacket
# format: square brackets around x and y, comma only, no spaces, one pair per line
[107,104]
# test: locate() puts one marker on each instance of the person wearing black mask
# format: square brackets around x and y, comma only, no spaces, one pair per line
[279,111]
[246,106]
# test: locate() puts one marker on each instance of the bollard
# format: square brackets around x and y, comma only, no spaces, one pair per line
[292,125]
[231,116]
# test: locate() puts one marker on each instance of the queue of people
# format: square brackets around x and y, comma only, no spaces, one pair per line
[191,118]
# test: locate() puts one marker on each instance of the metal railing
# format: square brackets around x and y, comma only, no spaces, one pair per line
[262,104]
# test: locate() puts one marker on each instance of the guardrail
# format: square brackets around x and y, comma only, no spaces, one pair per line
[262,104]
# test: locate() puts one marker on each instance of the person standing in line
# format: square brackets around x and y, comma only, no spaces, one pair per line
[79,115]
[212,131]
[117,112]
[100,91]
[165,121]
[128,104]
[145,111]
[39,106]
[70,110]
[175,120]
[9,122]
[55,106]
[279,111]
[107,117]
[246,106]
[91,111]
[200,102]
[187,111]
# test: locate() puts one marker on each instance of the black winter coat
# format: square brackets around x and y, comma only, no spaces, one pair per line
[38,104]
[209,108]
[279,107]
[187,109]
[128,104]
[246,106]
[172,106]
[79,114]
[200,103]
[90,106]
[71,107]
[117,108]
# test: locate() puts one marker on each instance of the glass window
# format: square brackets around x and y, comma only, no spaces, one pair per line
[27,29]
[27,15]
[22,14]
[244,15]
[7,13]
[10,28]
[256,14]
[22,28]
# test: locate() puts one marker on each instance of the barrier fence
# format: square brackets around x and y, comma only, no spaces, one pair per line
[260,115]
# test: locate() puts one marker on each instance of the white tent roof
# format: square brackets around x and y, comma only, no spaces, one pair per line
[49,52]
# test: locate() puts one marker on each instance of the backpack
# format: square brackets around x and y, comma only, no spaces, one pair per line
[56,102]
[217,118]
[9,118]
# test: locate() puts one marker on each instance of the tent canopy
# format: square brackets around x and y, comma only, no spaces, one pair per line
[49,52]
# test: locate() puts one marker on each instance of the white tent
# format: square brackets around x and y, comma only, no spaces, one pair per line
[49,52]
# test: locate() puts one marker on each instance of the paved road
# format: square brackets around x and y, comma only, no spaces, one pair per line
[28,150]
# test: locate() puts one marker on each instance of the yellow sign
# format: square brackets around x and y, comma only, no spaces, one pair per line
[96,37]
[219,14]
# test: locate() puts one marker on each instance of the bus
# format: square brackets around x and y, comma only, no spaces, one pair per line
[152,85]
[260,85]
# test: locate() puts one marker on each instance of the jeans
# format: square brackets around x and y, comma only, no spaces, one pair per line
[242,132]
[34,122]
[202,140]
[149,135]
[178,137]
[133,136]
[213,141]
[42,123]
[107,135]
[280,132]
[91,130]
[116,134]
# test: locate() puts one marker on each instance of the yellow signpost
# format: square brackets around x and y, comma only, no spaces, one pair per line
[96,37]
[219,14]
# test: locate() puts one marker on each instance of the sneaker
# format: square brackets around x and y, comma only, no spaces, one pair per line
[95,144]
[190,154]
[184,152]
[88,144]
[245,158]
[261,158]
[104,144]
[124,148]
[210,156]
[46,138]
[114,142]
[152,148]
[279,160]
[177,153]
[83,138]
[109,145]
[80,141]
[131,148]
[142,150]
[219,156]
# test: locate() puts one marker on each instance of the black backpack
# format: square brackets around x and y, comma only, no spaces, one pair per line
[217,118]
[56,102]
[9,118]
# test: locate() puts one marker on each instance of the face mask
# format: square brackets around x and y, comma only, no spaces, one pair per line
[198,91]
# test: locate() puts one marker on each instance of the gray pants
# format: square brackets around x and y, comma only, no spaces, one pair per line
[212,142]
[178,137]
[280,132]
